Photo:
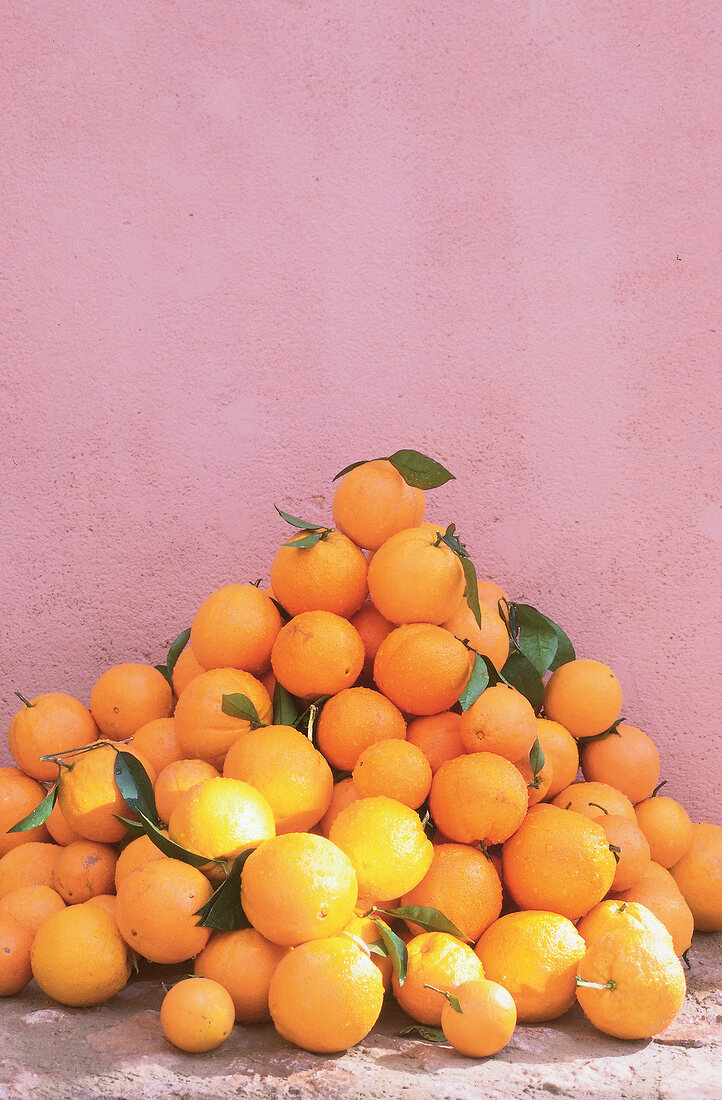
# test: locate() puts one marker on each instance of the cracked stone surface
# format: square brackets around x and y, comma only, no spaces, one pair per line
[117,1051]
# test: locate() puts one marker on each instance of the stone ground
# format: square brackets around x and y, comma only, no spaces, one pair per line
[117,1051]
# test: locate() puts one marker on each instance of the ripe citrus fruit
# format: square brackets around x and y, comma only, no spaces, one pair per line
[537,783]
[79,957]
[317,653]
[558,861]
[158,743]
[584,696]
[438,736]
[435,959]
[326,995]
[235,627]
[177,778]
[642,984]
[89,797]
[354,719]
[535,955]
[136,854]
[330,576]
[490,638]
[126,697]
[186,669]
[561,751]
[698,875]
[293,777]
[51,723]
[481,796]
[298,887]
[386,844]
[58,827]
[157,907]
[414,578]
[501,721]
[203,728]
[373,502]
[365,929]
[30,906]
[344,793]
[632,849]
[463,885]
[83,869]
[611,915]
[627,760]
[220,818]
[421,668]
[372,628]
[28,865]
[197,1015]
[243,962]
[15,970]
[593,799]
[19,795]
[486,1022]
[396,769]
[658,892]
[666,826]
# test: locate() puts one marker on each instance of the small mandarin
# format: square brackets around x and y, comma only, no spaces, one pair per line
[83,869]
[501,721]
[386,844]
[435,959]
[373,502]
[126,697]
[438,736]
[481,796]
[197,1015]
[584,696]
[79,957]
[329,576]
[627,760]
[486,1022]
[235,627]
[421,668]
[49,723]
[666,826]
[396,769]
[415,578]
[317,653]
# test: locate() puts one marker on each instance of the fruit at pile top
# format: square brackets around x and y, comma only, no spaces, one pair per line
[375,809]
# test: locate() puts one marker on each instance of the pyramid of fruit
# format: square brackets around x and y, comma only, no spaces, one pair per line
[358,782]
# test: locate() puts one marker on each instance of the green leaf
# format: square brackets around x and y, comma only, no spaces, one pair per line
[306,542]
[582,741]
[285,615]
[472,591]
[303,524]
[536,759]
[450,997]
[378,948]
[176,649]
[478,682]
[396,948]
[169,847]
[419,470]
[132,781]
[223,909]
[40,814]
[537,638]
[433,920]
[348,469]
[237,705]
[565,650]
[521,674]
[285,710]
[134,828]
[429,1034]
[310,714]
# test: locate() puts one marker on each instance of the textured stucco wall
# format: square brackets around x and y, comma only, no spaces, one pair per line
[247,243]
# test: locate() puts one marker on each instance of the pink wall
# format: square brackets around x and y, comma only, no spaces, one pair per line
[247,243]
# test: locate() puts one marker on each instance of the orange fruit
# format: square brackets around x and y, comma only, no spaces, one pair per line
[89,797]
[330,576]
[435,959]
[500,721]
[490,593]
[293,777]
[633,857]
[666,826]
[412,580]
[83,869]
[486,1022]
[298,887]
[126,697]
[395,769]
[698,875]
[373,502]
[584,696]
[537,785]
[627,760]
[186,669]
[364,929]
[658,892]
[421,668]
[79,957]
[491,638]
[354,719]
[561,751]
[438,736]
[643,984]
[386,844]
[158,743]
[593,799]
[481,796]
[197,1015]
[203,730]
[372,628]
[19,795]
[463,885]
[28,865]
[220,818]
[558,861]
[30,906]
[611,915]
[58,827]
[326,995]
[157,907]
[317,653]
[235,627]
[136,854]
[108,902]
[15,970]
[177,778]
[52,723]
[243,962]
[535,956]
[344,793]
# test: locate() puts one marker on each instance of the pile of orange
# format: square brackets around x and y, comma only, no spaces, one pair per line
[359,782]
